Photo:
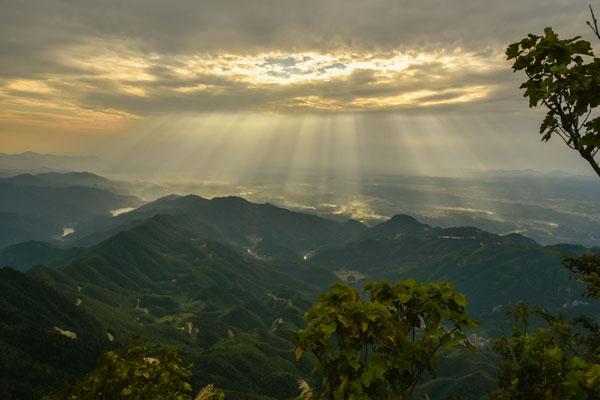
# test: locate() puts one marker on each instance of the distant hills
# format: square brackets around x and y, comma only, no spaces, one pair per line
[226,281]
[48,206]
[262,227]
[494,271]
[31,162]
[22,256]
[56,179]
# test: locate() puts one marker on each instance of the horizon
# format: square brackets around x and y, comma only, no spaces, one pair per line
[282,86]
[456,173]
[299,199]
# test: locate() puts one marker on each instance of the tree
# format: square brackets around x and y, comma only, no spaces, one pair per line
[379,346]
[562,359]
[563,75]
[586,269]
[550,363]
[594,24]
[559,361]
[135,374]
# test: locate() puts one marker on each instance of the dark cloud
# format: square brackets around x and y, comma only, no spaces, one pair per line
[40,39]
[38,26]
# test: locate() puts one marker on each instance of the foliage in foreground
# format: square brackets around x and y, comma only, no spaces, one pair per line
[563,75]
[586,269]
[560,361]
[550,363]
[135,375]
[380,346]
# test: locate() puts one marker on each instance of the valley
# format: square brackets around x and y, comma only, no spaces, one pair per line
[226,282]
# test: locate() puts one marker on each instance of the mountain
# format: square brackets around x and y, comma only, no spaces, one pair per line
[220,306]
[23,256]
[261,228]
[16,228]
[35,162]
[45,340]
[54,179]
[42,212]
[62,203]
[395,228]
[493,271]
[226,282]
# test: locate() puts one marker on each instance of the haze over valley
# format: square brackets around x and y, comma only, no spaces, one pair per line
[316,200]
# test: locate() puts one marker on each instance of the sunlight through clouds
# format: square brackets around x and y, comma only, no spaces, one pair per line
[115,76]
[331,85]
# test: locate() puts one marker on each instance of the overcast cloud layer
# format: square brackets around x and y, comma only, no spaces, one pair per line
[149,56]
[68,67]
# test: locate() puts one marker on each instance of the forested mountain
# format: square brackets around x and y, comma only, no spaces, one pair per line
[493,271]
[226,310]
[226,281]
[237,221]
[40,163]
[45,339]
[57,179]
[17,228]
[22,256]
[49,206]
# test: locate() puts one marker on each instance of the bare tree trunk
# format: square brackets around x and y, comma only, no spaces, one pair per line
[590,159]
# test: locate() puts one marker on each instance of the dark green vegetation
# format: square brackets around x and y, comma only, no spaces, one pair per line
[56,179]
[37,347]
[39,207]
[563,75]
[168,281]
[586,269]
[227,282]
[264,227]
[381,346]
[23,256]
[493,271]
[560,360]
[136,373]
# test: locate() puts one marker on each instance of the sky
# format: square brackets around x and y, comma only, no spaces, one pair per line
[395,86]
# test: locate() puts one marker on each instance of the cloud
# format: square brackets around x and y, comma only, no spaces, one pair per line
[130,59]
[116,77]
[236,26]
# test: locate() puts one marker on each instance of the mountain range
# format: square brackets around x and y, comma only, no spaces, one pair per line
[49,206]
[227,281]
[32,162]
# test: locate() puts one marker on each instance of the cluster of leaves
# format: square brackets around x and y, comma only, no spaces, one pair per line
[555,362]
[562,359]
[586,268]
[380,345]
[136,375]
[559,361]
[564,76]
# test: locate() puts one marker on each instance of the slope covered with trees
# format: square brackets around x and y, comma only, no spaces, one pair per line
[45,339]
[227,282]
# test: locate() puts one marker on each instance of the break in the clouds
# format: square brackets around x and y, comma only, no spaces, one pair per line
[73,69]
[116,60]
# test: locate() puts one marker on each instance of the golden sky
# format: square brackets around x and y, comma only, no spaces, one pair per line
[75,73]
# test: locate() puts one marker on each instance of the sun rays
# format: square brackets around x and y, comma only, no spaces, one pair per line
[116,82]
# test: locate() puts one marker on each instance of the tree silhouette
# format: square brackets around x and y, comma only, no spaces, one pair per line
[563,75]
